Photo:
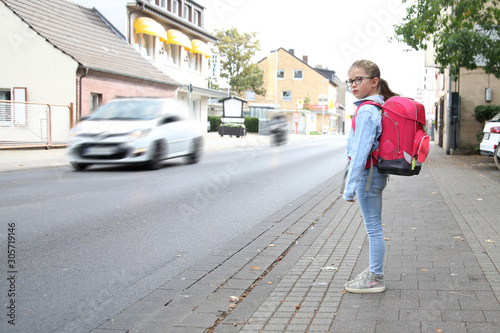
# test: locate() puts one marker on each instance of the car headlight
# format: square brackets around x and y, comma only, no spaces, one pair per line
[137,134]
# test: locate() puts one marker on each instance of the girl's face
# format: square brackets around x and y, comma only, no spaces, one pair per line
[367,87]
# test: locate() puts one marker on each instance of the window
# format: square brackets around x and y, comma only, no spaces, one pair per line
[286,96]
[95,101]
[174,54]
[5,108]
[194,61]
[188,59]
[280,74]
[186,12]
[196,18]
[198,61]
[250,95]
[176,6]
[297,74]
[147,45]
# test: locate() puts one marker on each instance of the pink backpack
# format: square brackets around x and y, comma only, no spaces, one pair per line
[404,145]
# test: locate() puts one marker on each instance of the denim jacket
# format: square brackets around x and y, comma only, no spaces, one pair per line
[361,141]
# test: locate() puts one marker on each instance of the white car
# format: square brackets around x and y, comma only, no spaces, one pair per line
[141,131]
[491,136]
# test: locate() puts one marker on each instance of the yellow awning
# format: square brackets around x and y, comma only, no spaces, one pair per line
[200,47]
[177,37]
[146,25]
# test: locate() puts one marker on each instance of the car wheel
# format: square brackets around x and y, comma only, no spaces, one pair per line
[158,153]
[496,155]
[196,146]
[80,166]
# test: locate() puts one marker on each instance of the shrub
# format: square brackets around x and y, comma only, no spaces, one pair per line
[483,113]
[214,123]
[252,124]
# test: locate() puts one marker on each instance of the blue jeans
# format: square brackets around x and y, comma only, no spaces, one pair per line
[371,208]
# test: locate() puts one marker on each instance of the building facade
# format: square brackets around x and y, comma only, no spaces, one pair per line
[171,35]
[455,125]
[309,97]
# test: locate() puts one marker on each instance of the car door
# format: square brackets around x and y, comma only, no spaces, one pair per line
[171,128]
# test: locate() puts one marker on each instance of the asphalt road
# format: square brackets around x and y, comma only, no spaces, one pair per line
[89,244]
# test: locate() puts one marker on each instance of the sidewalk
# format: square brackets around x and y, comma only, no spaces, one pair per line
[288,273]
[442,268]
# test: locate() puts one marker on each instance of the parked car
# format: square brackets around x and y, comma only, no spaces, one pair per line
[135,131]
[491,136]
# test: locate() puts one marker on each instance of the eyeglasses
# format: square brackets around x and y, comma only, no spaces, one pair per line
[357,80]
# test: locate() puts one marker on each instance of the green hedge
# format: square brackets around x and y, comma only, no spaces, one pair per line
[483,113]
[214,123]
[251,124]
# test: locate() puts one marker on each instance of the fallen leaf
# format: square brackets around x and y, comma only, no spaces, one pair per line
[272,245]
[297,307]
[459,237]
[330,268]
[233,298]
[489,241]
[255,267]
[437,330]
[479,199]
[424,270]
[233,306]
[386,239]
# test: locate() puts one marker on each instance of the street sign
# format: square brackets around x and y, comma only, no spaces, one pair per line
[300,104]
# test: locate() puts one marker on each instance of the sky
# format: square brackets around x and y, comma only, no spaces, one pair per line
[332,33]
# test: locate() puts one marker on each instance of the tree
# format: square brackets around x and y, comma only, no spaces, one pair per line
[462,32]
[236,52]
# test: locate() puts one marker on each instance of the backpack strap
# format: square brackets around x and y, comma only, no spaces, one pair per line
[371,157]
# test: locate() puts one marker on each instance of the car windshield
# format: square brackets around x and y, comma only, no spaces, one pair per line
[496,117]
[129,110]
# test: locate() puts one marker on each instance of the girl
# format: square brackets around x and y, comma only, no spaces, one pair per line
[366,85]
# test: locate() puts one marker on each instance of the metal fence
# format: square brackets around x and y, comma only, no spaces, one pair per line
[25,124]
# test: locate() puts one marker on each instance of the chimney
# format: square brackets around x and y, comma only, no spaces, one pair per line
[305,58]
[292,51]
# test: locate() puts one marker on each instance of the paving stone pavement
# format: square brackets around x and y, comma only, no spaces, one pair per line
[442,262]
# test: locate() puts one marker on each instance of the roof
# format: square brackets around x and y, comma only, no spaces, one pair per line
[233,97]
[83,35]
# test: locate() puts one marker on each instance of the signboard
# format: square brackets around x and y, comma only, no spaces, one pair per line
[300,104]
[214,71]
